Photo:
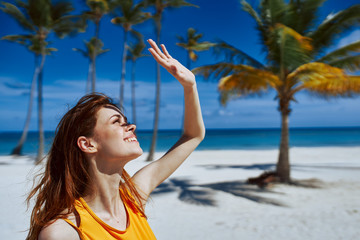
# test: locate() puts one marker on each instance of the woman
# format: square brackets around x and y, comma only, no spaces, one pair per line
[85,193]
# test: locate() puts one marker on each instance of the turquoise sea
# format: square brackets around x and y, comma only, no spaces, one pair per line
[217,139]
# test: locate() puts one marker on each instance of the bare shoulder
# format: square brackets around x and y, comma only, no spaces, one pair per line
[57,230]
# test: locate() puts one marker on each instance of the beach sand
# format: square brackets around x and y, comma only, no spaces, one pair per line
[207,198]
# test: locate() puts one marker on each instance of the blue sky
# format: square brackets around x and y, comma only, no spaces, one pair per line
[66,72]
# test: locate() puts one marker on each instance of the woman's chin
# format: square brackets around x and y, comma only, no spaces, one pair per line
[138,153]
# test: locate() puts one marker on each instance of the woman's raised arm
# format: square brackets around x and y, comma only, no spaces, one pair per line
[149,177]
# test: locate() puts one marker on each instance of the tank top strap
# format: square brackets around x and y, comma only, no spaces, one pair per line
[75,227]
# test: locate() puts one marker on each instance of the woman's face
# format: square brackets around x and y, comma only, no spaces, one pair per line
[114,137]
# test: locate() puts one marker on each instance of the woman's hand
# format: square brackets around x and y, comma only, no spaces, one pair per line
[181,73]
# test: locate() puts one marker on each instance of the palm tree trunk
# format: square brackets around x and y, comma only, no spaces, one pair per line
[157,101]
[89,77]
[18,148]
[123,71]
[93,57]
[40,111]
[133,92]
[93,73]
[188,61]
[283,165]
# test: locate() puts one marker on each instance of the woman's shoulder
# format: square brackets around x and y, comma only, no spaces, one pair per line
[59,229]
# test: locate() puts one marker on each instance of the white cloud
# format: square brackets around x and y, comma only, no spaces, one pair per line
[12,87]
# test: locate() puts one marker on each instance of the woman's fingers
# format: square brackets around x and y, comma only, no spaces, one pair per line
[161,61]
[156,55]
[156,48]
[165,51]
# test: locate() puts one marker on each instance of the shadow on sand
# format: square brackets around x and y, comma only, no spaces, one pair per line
[263,167]
[202,194]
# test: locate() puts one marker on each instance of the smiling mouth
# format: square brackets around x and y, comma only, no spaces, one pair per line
[131,139]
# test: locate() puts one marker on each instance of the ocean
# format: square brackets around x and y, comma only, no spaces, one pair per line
[216,139]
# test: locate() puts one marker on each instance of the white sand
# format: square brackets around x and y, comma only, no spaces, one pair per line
[239,211]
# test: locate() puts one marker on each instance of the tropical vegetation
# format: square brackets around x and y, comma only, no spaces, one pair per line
[159,7]
[135,52]
[192,45]
[93,49]
[127,15]
[296,43]
[39,18]
[97,10]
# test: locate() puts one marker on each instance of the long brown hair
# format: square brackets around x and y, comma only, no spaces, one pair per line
[66,175]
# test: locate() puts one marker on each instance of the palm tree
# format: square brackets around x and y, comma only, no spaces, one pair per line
[40,18]
[160,6]
[93,49]
[191,45]
[127,15]
[33,45]
[98,9]
[296,60]
[135,52]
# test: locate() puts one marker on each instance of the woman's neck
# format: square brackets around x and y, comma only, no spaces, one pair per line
[104,196]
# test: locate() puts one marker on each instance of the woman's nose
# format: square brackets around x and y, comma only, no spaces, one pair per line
[131,127]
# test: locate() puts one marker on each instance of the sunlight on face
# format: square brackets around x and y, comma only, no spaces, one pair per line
[114,137]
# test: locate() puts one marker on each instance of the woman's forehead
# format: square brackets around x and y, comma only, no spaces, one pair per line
[108,112]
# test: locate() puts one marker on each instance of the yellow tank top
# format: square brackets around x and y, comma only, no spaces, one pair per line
[91,227]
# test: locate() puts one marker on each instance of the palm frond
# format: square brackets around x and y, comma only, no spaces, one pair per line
[341,52]
[273,11]
[22,39]
[20,17]
[249,81]
[98,6]
[95,45]
[334,25]
[60,9]
[67,25]
[289,48]
[181,39]
[216,70]
[178,3]
[325,80]
[203,46]
[351,63]
[135,51]
[303,15]
[127,13]
[40,13]
[137,35]
[249,9]
[233,54]
[82,52]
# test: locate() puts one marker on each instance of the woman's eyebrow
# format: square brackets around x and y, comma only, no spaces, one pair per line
[116,115]
[121,117]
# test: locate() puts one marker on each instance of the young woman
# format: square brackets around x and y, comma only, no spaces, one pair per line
[85,193]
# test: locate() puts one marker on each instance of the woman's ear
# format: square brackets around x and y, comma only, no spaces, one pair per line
[85,145]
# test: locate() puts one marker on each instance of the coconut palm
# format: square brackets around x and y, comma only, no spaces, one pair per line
[33,45]
[127,14]
[40,18]
[93,49]
[98,9]
[191,45]
[135,52]
[296,59]
[160,6]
